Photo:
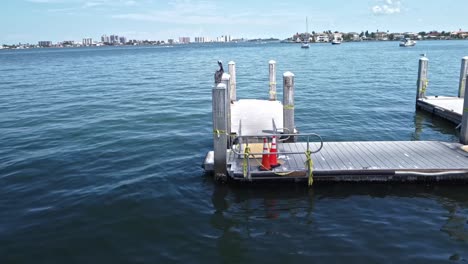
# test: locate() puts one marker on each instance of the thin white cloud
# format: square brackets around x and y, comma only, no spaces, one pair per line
[90,3]
[62,10]
[188,12]
[45,1]
[387,7]
[130,3]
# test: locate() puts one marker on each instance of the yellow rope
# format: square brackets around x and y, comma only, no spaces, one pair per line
[282,173]
[218,132]
[424,86]
[465,110]
[309,164]
[273,92]
[272,83]
[288,107]
[246,156]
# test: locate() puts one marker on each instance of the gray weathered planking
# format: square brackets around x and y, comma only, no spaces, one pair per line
[367,161]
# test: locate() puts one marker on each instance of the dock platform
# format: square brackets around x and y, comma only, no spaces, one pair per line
[364,161]
[239,127]
[449,108]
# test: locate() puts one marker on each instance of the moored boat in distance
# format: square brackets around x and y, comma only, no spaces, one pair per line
[336,42]
[305,43]
[407,42]
[337,38]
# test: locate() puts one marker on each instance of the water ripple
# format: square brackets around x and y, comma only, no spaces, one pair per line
[101,150]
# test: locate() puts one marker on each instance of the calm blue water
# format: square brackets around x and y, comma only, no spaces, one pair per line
[100,153]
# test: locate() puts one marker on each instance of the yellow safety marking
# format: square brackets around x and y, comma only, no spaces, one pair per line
[272,83]
[288,107]
[310,165]
[219,132]
[424,86]
[246,155]
[465,148]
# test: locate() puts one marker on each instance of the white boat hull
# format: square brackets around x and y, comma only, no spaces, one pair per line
[407,43]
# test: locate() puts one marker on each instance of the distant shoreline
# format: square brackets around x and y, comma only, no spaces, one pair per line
[23,47]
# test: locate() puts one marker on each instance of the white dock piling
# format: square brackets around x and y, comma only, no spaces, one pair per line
[288,102]
[232,72]
[464,127]
[463,73]
[226,79]
[422,78]
[219,95]
[272,71]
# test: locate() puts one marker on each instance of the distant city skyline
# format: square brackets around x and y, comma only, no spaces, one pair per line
[30,21]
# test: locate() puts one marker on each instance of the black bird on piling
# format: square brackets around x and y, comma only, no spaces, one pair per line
[219,73]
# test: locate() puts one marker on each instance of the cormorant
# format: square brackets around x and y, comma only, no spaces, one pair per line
[219,73]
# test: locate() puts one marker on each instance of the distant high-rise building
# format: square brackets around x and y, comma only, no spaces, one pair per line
[114,39]
[184,40]
[68,43]
[200,40]
[45,44]
[123,40]
[87,42]
[105,39]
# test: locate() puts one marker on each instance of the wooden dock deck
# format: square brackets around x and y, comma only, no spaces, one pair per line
[449,108]
[242,122]
[365,161]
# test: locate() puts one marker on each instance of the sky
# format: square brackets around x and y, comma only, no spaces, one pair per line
[30,21]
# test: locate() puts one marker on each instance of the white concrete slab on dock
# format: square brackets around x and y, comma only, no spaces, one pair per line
[453,104]
[256,115]
[449,108]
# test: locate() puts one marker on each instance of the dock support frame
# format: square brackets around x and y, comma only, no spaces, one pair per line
[288,103]
[219,95]
[464,124]
[463,73]
[226,79]
[272,72]
[422,79]
[232,72]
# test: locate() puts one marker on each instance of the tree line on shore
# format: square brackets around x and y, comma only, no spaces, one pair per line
[378,35]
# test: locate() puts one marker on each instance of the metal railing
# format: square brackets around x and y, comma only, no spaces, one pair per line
[246,156]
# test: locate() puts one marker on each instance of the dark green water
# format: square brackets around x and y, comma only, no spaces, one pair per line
[100,154]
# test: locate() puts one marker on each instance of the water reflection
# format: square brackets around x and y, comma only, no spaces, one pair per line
[243,211]
[426,125]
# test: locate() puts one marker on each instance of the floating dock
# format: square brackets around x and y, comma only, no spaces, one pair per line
[239,126]
[361,161]
[450,108]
